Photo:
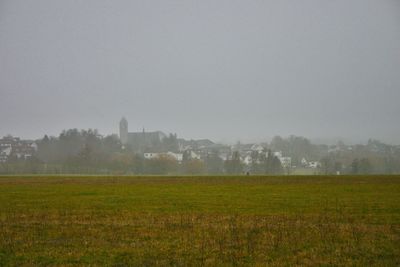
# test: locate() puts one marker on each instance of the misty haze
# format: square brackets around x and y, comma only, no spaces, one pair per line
[222,70]
[199,133]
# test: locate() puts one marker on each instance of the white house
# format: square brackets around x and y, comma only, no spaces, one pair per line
[247,160]
[314,164]
[193,155]
[257,148]
[5,152]
[177,156]
[286,162]
[151,155]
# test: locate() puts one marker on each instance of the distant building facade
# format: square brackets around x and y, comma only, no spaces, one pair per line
[140,141]
[176,156]
[15,148]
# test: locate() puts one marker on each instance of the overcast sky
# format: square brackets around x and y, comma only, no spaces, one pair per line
[224,70]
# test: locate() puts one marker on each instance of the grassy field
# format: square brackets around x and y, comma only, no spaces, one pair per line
[200,221]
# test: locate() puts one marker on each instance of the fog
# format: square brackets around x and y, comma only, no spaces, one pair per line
[223,70]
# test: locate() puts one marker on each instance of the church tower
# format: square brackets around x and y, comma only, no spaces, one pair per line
[123,131]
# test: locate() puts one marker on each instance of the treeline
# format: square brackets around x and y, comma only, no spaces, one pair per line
[297,148]
[373,158]
[87,152]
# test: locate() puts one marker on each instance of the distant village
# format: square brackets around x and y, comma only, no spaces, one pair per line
[147,143]
[154,152]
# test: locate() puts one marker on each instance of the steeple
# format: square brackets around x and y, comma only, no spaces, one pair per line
[123,131]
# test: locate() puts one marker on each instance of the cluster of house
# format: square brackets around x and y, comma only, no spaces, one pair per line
[183,153]
[146,144]
[14,147]
[310,164]
[149,143]
[246,157]
[253,154]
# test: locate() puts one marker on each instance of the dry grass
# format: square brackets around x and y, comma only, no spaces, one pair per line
[73,223]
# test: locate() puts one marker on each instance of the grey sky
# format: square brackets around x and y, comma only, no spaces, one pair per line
[224,70]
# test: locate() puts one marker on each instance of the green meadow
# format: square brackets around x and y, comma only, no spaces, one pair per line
[200,221]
